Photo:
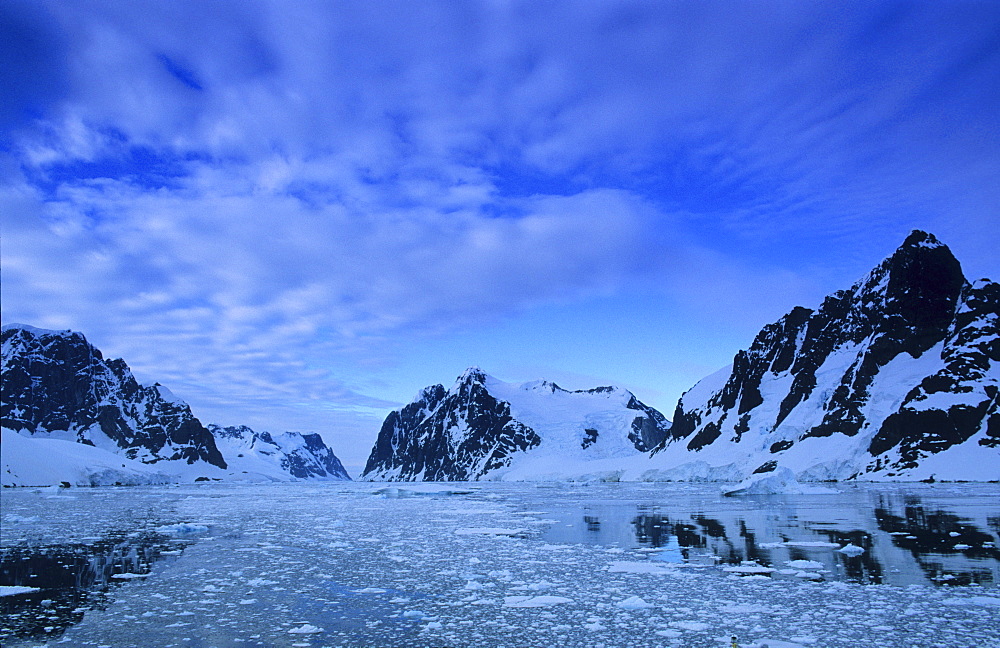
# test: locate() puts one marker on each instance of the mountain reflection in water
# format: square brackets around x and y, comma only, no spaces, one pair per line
[905,540]
[71,578]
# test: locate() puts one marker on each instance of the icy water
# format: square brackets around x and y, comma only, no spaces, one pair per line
[532,565]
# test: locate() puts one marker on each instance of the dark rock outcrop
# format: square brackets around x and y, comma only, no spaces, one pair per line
[418,443]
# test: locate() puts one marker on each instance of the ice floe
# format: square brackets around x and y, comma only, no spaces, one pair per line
[534,601]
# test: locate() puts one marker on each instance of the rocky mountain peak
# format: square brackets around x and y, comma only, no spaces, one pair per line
[924,281]
[482,425]
[302,456]
[919,238]
[57,383]
[472,376]
[873,362]
[231,431]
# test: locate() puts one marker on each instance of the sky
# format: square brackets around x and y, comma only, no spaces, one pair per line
[297,214]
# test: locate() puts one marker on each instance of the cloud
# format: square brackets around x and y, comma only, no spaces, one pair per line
[734,100]
[243,294]
[257,198]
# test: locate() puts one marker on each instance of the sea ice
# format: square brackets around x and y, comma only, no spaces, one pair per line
[780,481]
[631,567]
[634,603]
[534,601]
[495,531]
[694,626]
[182,528]
[988,601]
[749,568]
[851,550]
[268,569]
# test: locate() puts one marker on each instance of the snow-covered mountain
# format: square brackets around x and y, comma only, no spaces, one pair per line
[69,415]
[485,428]
[895,377]
[303,456]
[58,385]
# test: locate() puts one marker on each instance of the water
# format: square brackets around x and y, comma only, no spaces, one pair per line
[510,565]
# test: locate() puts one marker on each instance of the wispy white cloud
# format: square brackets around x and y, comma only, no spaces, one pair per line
[258,198]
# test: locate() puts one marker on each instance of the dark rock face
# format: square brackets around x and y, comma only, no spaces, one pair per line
[57,381]
[905,306]
[915,301]
[649,429]
[395,446]
[971,347]
[415,443]
[304,456]
[320,459]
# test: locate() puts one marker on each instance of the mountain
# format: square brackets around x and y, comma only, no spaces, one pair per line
[303,456]
[894,378]
[69,415]
[57,385]
[485,428]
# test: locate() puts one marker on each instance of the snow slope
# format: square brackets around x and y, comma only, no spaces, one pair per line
[290,455]
[28,461]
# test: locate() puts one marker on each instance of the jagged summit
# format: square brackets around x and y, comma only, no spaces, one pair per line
[39,332]
[302,456]
[920,238]
[483,425]
[472,375]
[920,282]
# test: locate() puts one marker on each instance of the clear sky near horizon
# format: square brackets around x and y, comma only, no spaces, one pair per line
[297,214]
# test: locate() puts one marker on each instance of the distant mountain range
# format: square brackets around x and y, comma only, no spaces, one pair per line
[303,456]
[68,415]
[893,378]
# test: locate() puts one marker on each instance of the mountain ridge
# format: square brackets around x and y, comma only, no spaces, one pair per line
[59,391]
[861,366]
[895,377]
[57,381]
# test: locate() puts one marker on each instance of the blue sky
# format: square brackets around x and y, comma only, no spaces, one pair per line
[296,214]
